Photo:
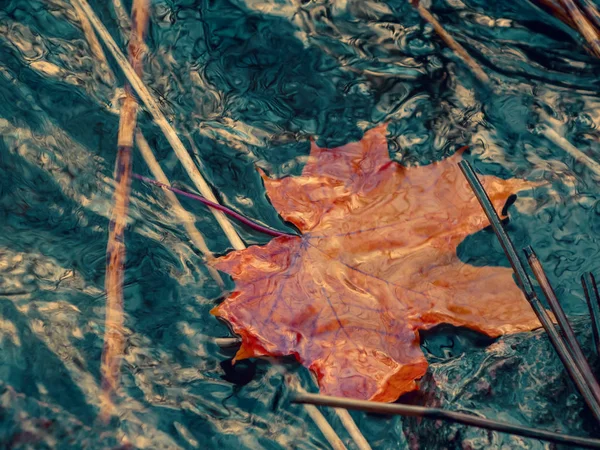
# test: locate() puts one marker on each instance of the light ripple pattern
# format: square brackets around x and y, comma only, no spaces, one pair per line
[249,83]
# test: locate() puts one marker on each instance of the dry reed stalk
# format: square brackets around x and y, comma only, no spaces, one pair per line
[106,73]
[123,22]
[182,214]
[186,219]
[586,20]
[352,429]
[161,121]
[115,253]
[590,31]
[548,132]
[458,49]
[326,429]
[318,418]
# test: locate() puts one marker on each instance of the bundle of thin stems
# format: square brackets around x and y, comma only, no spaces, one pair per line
[563,340]
[581,15]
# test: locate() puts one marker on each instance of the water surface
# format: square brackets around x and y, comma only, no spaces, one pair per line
[247,84]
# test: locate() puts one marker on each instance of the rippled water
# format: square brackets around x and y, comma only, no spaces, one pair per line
[247,84]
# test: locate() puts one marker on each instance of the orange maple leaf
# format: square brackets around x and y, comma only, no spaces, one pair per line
[375,264]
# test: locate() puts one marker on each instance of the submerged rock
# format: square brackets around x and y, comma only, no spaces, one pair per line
[518,379]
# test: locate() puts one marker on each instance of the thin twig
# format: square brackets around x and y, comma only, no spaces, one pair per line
[114,340]
[452,43]
[161,121]
[525,284]
[440,414]
[186,218]
[593,300]
[563,321]
[228,342]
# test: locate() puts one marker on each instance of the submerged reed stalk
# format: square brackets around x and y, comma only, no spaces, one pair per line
[545,129]
[115,252]
[565,326]
[557,10]
[592,13]
[578,155]
[586,20]
[351,428]
[329,433]
[122,19]
[318,418]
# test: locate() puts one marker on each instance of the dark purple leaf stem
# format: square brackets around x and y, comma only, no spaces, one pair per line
[224,209]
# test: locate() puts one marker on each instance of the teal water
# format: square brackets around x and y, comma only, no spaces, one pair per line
[247,84]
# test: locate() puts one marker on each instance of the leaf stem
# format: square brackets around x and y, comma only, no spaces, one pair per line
[217,206]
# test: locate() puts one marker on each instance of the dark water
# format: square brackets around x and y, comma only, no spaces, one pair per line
[248,83]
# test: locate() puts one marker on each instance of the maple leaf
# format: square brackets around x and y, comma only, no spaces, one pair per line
[375,264]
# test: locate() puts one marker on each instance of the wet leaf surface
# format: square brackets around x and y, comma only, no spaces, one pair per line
[376,263]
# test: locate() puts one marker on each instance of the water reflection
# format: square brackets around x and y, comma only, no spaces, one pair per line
[250,82]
